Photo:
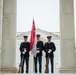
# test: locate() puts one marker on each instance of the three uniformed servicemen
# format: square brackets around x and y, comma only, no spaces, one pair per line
[48,47]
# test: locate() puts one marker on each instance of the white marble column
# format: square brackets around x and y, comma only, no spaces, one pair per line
[75,26]
[8,53]
[1,9]
[67,37]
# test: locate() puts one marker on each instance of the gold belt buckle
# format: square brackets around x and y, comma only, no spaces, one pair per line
[24,48]
[38,48]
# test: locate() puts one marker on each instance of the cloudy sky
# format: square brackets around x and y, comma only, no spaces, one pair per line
[45,13]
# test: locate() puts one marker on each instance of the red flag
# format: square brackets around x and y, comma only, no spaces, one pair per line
[33,40]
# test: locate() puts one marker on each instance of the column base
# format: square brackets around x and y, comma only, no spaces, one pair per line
[67,71]
[9,70]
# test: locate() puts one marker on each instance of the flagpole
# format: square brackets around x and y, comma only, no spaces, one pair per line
[33,42]
[33,17]
[33,59]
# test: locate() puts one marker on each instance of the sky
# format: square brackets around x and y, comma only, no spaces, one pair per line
[45,13]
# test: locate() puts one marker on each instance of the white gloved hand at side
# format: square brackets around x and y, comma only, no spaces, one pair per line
[49,50]
[24,51]
[38,51]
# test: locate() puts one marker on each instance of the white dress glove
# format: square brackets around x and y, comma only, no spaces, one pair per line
[38,51]
[49,50]
[24,51]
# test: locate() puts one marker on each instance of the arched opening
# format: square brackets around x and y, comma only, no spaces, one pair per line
[46,16]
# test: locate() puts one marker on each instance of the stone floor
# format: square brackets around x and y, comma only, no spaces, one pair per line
[37,74]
